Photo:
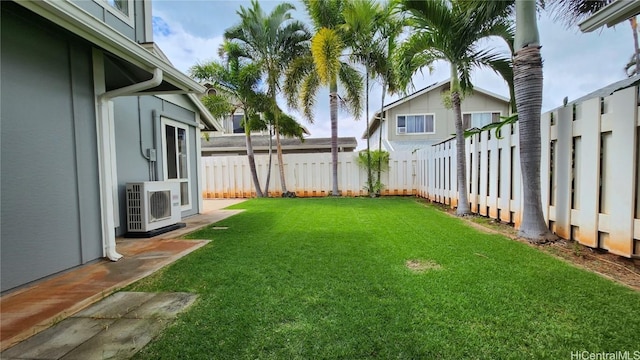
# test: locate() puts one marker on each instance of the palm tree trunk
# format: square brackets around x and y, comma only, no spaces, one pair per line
[384,93]
[252,165]
[461,165]
[333,105]
[527,79]
[527,66]
[280,163]
[369,173]
[266,186]
[279,152]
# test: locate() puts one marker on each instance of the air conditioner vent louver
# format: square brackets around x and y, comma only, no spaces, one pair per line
[152,205]
[160,205]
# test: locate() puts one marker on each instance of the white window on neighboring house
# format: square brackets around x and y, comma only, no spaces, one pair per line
[479,119]
[237,124]
[416,124]
[175,144]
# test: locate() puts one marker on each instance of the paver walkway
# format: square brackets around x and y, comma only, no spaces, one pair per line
[28,311]
[114,328]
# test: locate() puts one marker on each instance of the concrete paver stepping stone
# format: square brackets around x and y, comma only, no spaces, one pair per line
[116,305]
[121,340]
[115,328]
[163,306]
[58,340]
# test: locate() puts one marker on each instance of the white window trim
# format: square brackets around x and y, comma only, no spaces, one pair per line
[166,121]
[480,112]
[420,133]
[117,13]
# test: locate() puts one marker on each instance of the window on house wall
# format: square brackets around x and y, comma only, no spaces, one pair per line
[120,5]
[479,119]
[176,158]
[237,124]
[120,8]
[415,124]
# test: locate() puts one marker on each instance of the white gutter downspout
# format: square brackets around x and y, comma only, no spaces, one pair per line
[107,160]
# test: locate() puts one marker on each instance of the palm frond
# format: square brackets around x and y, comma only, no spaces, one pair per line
[351,82]
[308,91]
[325,13]
[218,105]
[326,48]
[295,75]
[571,12]
[419,51]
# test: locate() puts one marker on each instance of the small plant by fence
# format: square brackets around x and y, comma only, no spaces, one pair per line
[589,171]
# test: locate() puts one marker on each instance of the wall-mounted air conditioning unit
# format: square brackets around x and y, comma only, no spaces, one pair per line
[152,205]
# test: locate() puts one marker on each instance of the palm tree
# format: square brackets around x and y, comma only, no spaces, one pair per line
[323,65]
[273,40]
[528,78]
[362,21]
[390,30]
[287,126]
[236,83]
[445,30]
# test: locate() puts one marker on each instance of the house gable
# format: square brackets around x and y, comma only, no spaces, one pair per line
[424,117]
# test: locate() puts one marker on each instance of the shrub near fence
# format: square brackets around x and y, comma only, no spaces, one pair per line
[589,170]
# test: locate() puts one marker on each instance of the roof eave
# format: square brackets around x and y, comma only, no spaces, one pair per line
[74,19]
[612,14]
[211,123]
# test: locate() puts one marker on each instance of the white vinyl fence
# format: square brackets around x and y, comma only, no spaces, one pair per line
[308,175]
[589,172]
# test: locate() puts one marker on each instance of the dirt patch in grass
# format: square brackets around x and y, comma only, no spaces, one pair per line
[617,268]
[420,266]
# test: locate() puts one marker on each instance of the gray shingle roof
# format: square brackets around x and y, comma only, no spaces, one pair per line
[261,142]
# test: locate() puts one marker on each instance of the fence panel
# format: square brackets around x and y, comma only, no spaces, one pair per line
[307,175]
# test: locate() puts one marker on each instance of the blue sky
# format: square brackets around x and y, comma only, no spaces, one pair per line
[575,64]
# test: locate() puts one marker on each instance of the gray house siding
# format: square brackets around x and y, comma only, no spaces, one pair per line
[50,205]
[133,29]
[133,117]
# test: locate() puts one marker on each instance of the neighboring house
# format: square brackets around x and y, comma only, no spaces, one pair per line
[236,145]
[231,124]
[85,109]
[421,119]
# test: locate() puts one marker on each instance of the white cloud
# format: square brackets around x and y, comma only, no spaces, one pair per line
[181,47]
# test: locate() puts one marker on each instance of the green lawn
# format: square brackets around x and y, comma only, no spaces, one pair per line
[327,278]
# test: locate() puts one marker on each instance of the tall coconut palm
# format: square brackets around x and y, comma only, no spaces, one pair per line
[528,78]
[391,26]
[445,30]
[272,40]
[527,74]
[237,88]
[324,65]
[362,21]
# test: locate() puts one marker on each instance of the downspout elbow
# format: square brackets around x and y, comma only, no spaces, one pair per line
[155,80]
[112,254]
